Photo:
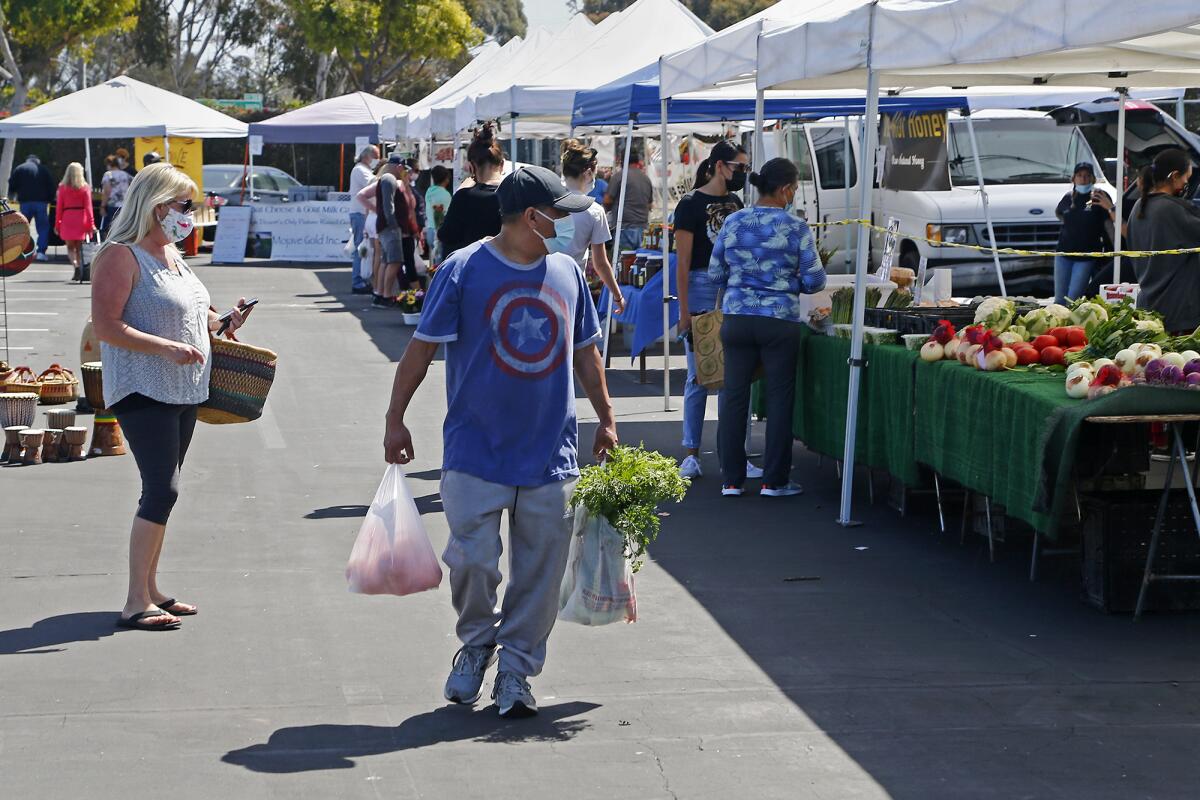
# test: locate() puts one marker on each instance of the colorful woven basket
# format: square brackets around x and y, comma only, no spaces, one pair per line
[59,385]
[16,245]
[22,379]
[237,388]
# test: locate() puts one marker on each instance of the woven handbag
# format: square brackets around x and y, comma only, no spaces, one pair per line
[708,351]
[238,385]
[59,385]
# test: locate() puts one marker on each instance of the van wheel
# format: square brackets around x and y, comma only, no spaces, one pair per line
[910,258]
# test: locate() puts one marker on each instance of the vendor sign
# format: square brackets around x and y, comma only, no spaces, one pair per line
[915,154]
[185,152]
[308,231]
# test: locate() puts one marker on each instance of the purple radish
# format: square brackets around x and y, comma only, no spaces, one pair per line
[1193,380]
[1171,376]
[1154,370]
[1192,367]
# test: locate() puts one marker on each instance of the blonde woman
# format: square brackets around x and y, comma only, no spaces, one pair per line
[73,217]
[153,319]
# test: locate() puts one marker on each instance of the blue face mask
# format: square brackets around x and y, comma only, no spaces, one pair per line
[1084,188]
[564,234]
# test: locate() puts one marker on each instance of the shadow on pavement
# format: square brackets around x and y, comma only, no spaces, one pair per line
[338,512]
[385,327]
[45,635]
[320,747]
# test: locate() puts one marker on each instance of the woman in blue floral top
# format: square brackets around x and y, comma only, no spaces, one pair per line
[764,258]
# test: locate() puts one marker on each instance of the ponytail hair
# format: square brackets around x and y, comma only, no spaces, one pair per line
[484,149]
[776,174]
[577,158]
[1164,164]
[723,150]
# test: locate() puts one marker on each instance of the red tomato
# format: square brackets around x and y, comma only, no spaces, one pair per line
[1044,341]
[1074,349]
[1076,337]
[1053,355]
[1060,334]
[1027,356]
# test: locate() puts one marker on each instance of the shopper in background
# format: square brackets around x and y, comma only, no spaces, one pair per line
[1166,220]
[113,186]
[409,180]
[510,437]
[437,203]
[638,198]
[34,188]
[153,157]
[590,226]
[396,225]
[123,162]
[698,220]
[361,175]
[763,259]
[153,318]
[1087,215]
[474,211]
[74,220]
[597,192]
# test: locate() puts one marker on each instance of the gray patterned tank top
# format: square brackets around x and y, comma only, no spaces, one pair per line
[173,306]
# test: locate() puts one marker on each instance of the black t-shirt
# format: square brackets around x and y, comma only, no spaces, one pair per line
[473,214]
[702,215]
[1084,229]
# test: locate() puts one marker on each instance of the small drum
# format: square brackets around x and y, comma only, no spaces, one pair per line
[51,444]
[18,408]
[31,445]
[12,443]
[60,418]
[93,383]
[74,438]
[106,436]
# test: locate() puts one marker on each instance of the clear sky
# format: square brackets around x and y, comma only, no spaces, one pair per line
[547,13]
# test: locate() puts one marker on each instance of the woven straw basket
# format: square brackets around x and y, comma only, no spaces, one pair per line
[22,379]
[59,385]
[237,388]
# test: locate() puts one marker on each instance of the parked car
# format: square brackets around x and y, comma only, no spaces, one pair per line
[269,184]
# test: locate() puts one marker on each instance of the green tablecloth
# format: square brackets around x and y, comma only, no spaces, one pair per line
[1012,435]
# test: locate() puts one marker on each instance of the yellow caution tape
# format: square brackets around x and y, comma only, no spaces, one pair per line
[1012,251]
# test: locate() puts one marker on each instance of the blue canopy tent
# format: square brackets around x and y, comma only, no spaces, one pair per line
[634,100]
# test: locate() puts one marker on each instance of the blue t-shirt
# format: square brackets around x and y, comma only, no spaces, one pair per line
[597,193]
[765,258]
[510,332]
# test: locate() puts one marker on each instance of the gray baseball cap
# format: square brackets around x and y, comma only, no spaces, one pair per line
[529,186]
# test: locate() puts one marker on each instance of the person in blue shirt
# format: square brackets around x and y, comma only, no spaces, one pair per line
[516,318]
[764,258]
[35,189]
[598,190]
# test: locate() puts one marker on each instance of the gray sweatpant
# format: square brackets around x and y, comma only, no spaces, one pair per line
[539,539]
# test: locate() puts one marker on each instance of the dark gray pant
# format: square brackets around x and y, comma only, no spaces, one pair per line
[749,341]
[159,435]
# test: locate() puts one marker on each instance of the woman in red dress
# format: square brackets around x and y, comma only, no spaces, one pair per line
[73,217]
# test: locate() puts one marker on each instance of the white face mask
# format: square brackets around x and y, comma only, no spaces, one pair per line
[586,187]
[176,225]
[373,164]
[564,234]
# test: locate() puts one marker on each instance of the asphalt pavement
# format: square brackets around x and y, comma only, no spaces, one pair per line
[778,655]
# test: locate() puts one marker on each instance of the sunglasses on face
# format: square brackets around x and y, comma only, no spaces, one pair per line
[737,166]
[185,206]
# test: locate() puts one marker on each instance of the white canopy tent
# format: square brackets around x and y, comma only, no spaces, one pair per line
[394,127]
[616,47]
[973,42]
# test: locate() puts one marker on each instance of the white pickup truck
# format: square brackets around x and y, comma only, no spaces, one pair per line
[1027,160]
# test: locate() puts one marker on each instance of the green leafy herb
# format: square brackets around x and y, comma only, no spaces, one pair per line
[626,490]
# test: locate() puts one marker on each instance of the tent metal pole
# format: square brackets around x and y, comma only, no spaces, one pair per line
[513,126]
[865,172]
[166,147]
[759,142]
[454,162]
[846,156]
[1122,97]
[666,254]
[616,259]
[987,209]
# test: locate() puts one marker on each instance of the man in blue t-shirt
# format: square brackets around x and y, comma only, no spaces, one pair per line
[516,318]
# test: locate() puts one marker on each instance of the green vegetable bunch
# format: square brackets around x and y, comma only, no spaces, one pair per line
[1126,325]
[996,314]
[626,490]
[1040,320]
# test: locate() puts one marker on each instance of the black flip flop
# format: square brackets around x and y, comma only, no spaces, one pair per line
[165,605]
[135,622]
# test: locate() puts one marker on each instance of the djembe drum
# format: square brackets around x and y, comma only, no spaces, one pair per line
[106,436]
[60,418]
[12,443]
[31,446]
[51,445]
[93,384]
[18,408]
[74,438]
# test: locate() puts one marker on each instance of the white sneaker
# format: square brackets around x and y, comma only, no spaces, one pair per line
[729,490]
[42,257]
[465,683]
[753,472]
[690,468]
[791,490]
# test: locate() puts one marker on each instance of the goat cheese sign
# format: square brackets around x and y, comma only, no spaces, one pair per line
[915,154]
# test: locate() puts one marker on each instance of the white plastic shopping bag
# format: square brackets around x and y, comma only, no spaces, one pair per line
[366,254]
[597,588]
[392,554]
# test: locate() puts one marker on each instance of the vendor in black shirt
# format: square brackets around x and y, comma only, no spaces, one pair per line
[474,211]
[698,219]
[1087,215]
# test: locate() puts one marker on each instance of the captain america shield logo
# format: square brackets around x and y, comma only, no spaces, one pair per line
[529,329]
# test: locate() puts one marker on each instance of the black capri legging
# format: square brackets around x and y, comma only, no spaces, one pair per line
[159,435]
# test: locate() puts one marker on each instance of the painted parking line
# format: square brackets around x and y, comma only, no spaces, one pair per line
[33,313]
[28,330]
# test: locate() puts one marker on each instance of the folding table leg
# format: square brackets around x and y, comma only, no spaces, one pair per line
[1148,575]
[962,533]
[987,506]
[1033,562]
[937,489]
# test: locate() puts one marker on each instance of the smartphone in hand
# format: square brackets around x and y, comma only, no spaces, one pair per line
[227,317]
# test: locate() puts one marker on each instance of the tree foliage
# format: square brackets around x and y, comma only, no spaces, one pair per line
[717,13]
[500,20]
[387,46]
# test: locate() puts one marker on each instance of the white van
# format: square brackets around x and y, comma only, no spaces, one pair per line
[1027,159]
